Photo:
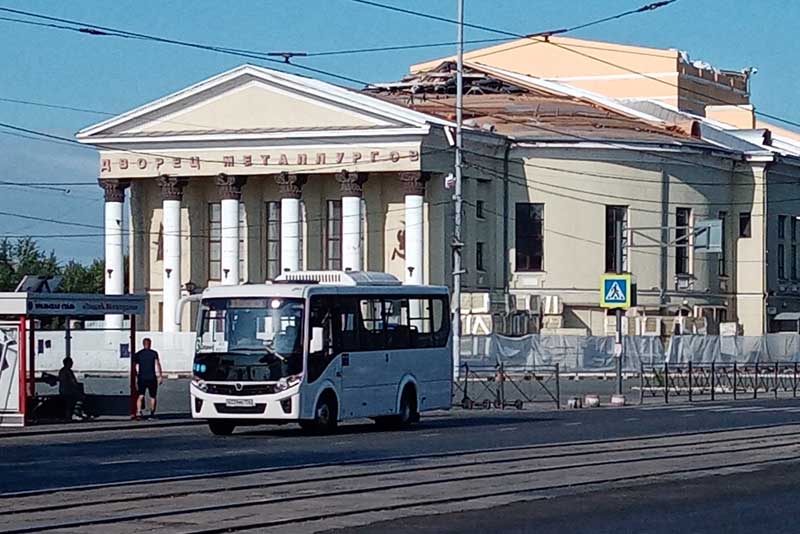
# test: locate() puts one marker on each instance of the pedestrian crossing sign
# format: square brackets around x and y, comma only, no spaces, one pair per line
[615,291]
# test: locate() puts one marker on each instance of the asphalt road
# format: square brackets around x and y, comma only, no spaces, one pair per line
[146,459]
[174,393]
[763,501]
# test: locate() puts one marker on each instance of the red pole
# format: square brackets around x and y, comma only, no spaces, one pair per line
[23,375]
[32,348]
[134,396]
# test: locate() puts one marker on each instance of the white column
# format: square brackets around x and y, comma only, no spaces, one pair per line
[291,186]
[115,268]
[414,235]
[230,241]
[230,190]
[290,234]
[172,193]
[352,250]
[351,233]
[414,239]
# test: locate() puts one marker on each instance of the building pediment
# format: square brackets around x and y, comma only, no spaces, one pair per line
[251,102]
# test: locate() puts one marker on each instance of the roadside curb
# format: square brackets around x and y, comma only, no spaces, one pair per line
[95,427]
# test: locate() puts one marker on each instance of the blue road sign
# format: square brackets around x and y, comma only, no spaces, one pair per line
[615,291]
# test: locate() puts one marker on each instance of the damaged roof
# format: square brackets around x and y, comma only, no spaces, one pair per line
[527,108]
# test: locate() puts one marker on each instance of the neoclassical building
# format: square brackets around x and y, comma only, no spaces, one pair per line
[254,172]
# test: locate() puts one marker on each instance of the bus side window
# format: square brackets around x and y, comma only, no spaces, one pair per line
[440,321]
[347,320]
[398,329]
[371,335]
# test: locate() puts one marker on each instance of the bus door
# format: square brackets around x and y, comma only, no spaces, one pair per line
[367,388]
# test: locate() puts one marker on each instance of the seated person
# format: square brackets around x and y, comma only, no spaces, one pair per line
[70,390]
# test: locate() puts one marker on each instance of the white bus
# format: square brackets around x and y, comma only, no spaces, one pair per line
[319,347]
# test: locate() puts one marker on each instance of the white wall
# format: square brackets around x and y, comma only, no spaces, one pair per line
[96,351]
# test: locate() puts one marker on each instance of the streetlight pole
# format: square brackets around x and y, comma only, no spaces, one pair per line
[619,345]
[457,243]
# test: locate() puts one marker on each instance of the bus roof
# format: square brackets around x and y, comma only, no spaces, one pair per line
[301,284]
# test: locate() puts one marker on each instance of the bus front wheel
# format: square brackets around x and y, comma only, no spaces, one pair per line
[221,428]
[325,416]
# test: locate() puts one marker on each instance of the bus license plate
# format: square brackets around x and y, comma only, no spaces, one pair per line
[239,403]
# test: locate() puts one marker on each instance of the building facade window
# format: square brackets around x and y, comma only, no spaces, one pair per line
[333,235]
[745,224]
[215,241]
[529,241]
[683,221]
[160,243]
[479,205]
[479,256]
[793,226]
[273,248]
[781,226]
[781,262]
[794,262]
[615,214]
[723,258]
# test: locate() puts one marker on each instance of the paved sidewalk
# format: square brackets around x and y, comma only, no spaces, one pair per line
[109,423]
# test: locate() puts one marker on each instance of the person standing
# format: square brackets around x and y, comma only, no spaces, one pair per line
[148,376]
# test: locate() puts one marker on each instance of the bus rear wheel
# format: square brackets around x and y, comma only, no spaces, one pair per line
[221,428]
[406,417]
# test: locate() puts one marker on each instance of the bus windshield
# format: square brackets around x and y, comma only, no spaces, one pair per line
[249,339]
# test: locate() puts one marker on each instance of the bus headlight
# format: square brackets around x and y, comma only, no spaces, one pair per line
[199,384]
[287,382]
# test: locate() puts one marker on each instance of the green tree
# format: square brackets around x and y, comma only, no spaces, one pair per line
[80,278]
[24,257]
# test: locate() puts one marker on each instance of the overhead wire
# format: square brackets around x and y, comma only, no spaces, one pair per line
[367,84]
[543,38]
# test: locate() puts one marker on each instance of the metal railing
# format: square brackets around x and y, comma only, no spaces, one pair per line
[501,386]
[717,380]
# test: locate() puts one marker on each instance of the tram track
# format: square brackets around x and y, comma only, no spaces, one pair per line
[369,461]
[83,504]
[748,444]
[483,495]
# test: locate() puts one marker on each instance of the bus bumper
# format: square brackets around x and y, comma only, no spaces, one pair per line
[283,406]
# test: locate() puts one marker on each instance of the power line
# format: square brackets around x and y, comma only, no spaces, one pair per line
[649,7]
[401,47]
[98,30]
[533,37]
[666,82]
[23,131]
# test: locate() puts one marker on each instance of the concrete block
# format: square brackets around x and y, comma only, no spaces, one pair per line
[591,401]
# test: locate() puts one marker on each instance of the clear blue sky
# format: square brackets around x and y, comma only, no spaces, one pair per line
[114,75]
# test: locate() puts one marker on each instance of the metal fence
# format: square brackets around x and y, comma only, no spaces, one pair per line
[718,380]
[501,386]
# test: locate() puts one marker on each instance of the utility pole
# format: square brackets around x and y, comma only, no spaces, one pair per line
[618,230]
[457,243]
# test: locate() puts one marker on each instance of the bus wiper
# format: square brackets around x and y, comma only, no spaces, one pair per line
[272,352]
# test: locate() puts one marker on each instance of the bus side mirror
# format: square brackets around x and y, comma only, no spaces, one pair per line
[317,340]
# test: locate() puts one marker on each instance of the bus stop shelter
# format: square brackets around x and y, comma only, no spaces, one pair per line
[18,314]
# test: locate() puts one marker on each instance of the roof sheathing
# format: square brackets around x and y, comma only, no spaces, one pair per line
[524,106]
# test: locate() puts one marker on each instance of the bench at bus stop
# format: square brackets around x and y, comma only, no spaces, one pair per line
[52,407]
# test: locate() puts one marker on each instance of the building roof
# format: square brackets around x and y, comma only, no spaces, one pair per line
[766,139]
[529,108]
[160,111]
